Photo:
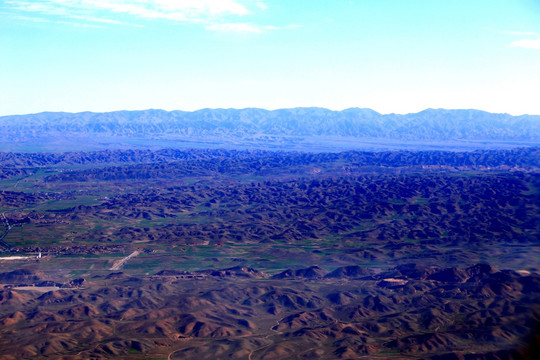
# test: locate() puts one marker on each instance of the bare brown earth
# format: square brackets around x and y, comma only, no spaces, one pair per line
[259,255]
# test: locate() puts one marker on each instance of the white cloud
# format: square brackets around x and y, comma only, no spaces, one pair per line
[527,44]
[26,18]
[165,8]
[78,24]
[521,33]
[235,27]
[99,20]
[45,7]
[102,10]
[240,27]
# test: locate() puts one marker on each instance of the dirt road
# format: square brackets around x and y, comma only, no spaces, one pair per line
[124,260]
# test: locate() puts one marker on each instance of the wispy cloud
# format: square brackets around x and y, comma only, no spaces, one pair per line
[24,18]
[211,13]
[169,9]
[520,33]
[78,24]
[261,5]
[235,27]
[527,44]
[240,27]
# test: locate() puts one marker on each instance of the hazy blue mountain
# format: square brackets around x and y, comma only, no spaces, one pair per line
[252,126]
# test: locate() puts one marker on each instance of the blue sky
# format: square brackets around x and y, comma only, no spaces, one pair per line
[388,55]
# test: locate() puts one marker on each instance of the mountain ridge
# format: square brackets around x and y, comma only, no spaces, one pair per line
[257,126]
[299,108]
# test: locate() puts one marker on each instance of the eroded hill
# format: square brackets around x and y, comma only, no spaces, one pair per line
[266,255]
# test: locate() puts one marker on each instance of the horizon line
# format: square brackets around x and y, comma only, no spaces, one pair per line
[263,109]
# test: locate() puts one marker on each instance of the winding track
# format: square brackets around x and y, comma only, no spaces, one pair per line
[8,229]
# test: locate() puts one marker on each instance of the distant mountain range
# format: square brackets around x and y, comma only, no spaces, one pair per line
[288,129]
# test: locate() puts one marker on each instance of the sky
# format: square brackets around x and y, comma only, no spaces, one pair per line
[393,56]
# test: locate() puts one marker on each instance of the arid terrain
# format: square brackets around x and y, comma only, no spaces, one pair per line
[219,254]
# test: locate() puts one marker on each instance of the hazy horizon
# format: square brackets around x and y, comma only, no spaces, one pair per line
[265,109]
